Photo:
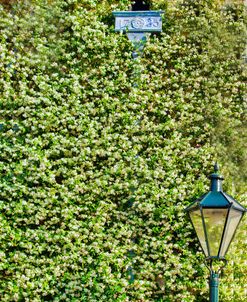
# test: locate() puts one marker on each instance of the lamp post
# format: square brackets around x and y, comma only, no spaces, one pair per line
[215,217]
[137,24]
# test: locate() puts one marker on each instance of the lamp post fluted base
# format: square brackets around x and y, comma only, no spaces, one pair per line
[214,287]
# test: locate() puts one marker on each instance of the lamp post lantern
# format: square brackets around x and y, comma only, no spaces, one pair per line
[215,217]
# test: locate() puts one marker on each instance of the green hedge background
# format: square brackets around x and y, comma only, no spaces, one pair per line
[96,171]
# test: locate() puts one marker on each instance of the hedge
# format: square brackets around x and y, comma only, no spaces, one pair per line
[97,165]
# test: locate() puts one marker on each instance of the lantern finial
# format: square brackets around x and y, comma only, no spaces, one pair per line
[216,167]
[216,179]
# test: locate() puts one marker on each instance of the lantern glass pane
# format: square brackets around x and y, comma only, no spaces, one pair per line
[196,219]
[214,223]
[232,224]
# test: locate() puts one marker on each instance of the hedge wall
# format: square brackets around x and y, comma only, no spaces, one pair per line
[95,170]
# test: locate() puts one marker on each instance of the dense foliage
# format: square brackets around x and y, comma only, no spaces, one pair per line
[100,154]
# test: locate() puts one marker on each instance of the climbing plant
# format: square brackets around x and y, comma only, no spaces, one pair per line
[97,166]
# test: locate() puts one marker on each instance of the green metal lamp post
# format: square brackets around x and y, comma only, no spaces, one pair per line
[215,217]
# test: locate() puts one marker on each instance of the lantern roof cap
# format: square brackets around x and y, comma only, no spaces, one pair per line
[216,198]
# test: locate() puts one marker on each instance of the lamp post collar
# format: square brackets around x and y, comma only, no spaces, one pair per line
[138,25]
